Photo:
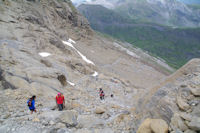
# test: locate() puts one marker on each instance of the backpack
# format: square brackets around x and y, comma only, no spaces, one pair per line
[30,103]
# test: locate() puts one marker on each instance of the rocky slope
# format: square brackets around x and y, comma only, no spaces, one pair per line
[176,100]
[47,47]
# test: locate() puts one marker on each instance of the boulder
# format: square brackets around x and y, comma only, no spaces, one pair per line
[159,126]
[195,91]
[195,123]
[182,104]
[100,110]
[145,127]
[50,116]
[60,125]
[177,122]
[153,125]
[69,118]
[186,116]
[89,121]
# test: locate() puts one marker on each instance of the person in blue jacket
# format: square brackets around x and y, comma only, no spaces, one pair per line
[31,104]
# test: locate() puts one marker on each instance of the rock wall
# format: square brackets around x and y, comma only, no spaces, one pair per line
[177,100]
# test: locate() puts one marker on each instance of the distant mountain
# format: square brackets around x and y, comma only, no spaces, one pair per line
[175,45]
[190,1]
[164,12]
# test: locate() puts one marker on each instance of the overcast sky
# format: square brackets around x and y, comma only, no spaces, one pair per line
[185,1]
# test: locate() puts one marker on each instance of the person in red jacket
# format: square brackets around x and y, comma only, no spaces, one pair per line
[101,93]
[60,101]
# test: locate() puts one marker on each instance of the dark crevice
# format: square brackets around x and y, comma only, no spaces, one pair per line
[62,80]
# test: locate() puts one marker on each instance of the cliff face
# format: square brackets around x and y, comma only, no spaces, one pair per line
[176,100]
[46,47]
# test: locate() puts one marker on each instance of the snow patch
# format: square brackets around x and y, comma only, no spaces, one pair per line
[68,43]
[71,41]
[85,58]
[44,54]
[95,74]
[72,84]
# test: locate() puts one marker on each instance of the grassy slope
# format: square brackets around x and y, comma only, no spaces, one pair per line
[176,46]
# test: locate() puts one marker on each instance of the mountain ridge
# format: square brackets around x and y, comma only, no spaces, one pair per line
[148,36]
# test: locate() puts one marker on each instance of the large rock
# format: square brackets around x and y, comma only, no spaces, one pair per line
[186,116]
[195,124]
[69,118]
[51,116]
[177,122]
[100,110]
[182,104]
[195,91]
[153,126]
[89,121]
[159,126]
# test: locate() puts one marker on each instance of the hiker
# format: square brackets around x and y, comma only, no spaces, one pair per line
[31,104]
[101,93]
[60,101]
[112,95]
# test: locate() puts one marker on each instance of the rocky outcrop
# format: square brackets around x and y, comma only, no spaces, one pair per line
[177,97]
[153,125]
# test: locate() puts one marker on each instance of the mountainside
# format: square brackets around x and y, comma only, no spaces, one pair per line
[47,47]
[164,12]
[190,1]
[175,45]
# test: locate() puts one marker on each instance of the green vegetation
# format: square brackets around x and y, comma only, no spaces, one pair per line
[195,7]
[190,1]
[175,45]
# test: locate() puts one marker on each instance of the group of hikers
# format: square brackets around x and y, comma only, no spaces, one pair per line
[60,101]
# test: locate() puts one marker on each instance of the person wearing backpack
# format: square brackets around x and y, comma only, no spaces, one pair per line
[31,104]
[101,93]
[60,101]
